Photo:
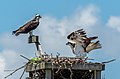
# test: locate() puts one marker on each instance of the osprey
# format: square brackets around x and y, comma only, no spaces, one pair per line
[77,49]
[81,44]
[29,26]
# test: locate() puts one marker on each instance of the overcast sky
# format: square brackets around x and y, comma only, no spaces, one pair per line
[59,18]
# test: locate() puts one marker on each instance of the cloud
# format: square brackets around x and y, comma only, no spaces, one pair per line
[111,37]
[87,17]
[53,32]
[9,60]
[81,18]
[2,67]
[10,55]
[114,22]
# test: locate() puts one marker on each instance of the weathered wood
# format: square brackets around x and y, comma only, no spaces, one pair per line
[79,66]
[98,74]
[48,74]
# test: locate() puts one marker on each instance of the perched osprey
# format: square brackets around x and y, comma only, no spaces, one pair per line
[29,26]
[80,41]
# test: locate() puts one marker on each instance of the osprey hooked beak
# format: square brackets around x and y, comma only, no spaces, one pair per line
[70,42]
[67,43]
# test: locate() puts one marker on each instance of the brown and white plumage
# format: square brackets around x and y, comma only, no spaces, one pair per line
[72,45]
[29,26]
[92,46]
[77,49]
[80,38]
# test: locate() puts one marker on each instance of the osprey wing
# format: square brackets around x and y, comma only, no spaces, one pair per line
[81,33]
[22,29]
[93,46]
[77,36]
[93,38]
[31,25]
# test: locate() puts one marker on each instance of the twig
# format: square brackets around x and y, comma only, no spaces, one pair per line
[51,55]
[58,69]
[15,71]
[22,74]
[109,61]
[25,57]
[70,72]
[84,75]
[62,76]
[58,54]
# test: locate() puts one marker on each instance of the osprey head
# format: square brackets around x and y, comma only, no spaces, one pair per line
[68,43]
[72,44]
[37,16]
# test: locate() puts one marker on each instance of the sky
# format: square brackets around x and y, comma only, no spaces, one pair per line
[59,18]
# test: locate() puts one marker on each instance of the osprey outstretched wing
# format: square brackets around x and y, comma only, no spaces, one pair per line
[78,35]
[81,42]
[29,26]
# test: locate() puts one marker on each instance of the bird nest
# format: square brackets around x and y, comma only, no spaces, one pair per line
[61,68]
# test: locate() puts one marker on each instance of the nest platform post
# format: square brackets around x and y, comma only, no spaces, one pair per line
[35,39]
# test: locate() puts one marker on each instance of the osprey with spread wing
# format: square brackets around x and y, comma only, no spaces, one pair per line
[29,26]
[81,44]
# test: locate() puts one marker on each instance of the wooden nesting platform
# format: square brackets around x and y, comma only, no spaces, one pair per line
[79,66]
[50,70]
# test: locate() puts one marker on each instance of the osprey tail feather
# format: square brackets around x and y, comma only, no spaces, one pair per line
[15,32]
